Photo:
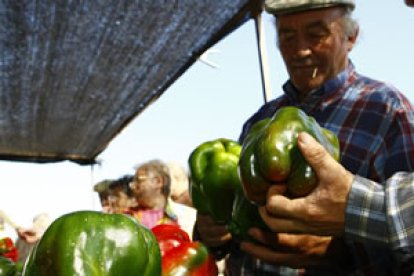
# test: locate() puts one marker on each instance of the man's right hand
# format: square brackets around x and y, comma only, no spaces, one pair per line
[322,212]
[211,234]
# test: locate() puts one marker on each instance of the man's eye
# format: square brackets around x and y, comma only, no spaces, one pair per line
[286,38]
[318,36]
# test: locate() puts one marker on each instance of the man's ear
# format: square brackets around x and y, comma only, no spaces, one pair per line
[352,40]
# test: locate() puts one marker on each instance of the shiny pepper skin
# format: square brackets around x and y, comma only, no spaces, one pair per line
[270,154]
[214,177]
[91,243]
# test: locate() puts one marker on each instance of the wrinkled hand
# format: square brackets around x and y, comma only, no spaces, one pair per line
[295,251]
[322,212]
[211,234]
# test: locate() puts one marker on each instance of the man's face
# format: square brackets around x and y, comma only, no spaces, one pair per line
[314,46]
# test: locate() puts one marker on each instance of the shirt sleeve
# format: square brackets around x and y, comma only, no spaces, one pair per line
[383,213]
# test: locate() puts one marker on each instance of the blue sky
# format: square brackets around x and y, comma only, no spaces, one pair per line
[204,104]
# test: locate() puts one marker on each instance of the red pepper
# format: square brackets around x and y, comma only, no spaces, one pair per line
[180,256]
[169,236]
[8,250]
[190,259]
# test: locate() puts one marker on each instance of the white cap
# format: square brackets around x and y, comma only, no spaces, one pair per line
[291,6]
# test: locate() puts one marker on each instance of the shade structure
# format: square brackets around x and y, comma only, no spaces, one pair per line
[73,74]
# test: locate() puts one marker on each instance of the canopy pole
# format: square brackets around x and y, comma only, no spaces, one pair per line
[263,59]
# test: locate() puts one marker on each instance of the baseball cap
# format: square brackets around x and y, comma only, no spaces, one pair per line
[291,6]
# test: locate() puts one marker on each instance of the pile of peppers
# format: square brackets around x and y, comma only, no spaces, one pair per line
[229,180]
[8,249]
[270,154]
[9,265]
[181,256]
[91,243]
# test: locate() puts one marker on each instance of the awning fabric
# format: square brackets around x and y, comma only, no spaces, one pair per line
[73,74]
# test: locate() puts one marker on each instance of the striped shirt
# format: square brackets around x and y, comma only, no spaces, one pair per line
[375,125]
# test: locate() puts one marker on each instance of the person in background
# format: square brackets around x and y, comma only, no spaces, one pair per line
[151,189]
[180,200]
[372,120]
[102,188]
[120,196]
[28,238]
[179,184]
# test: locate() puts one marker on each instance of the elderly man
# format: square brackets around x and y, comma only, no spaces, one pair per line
[371,119]
[338,206]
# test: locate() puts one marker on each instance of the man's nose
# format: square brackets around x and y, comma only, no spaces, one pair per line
[303,47]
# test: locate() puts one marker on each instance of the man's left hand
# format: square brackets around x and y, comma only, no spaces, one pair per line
[296,251]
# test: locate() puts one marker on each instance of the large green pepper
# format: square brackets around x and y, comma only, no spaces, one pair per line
[90,243]
[214,177]
[270,154]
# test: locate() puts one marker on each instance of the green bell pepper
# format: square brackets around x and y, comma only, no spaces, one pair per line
[245,216]
[270,154]
[91,243]
[214,177]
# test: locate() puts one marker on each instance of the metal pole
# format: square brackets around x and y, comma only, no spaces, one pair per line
[263,59]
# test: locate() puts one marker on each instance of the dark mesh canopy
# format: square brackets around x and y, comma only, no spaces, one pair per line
[74,73]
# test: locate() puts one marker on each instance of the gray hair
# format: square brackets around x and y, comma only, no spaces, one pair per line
[350,25]
[159,168]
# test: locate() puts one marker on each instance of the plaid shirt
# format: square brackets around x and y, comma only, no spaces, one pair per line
[384,214]
[374,123]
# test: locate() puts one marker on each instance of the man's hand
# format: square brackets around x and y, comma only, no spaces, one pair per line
[296,251]
[211,234]
[322,212]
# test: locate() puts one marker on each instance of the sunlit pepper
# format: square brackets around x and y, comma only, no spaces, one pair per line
[189,259]
[270,154]
[180,256]
[169,236]
[214,178]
